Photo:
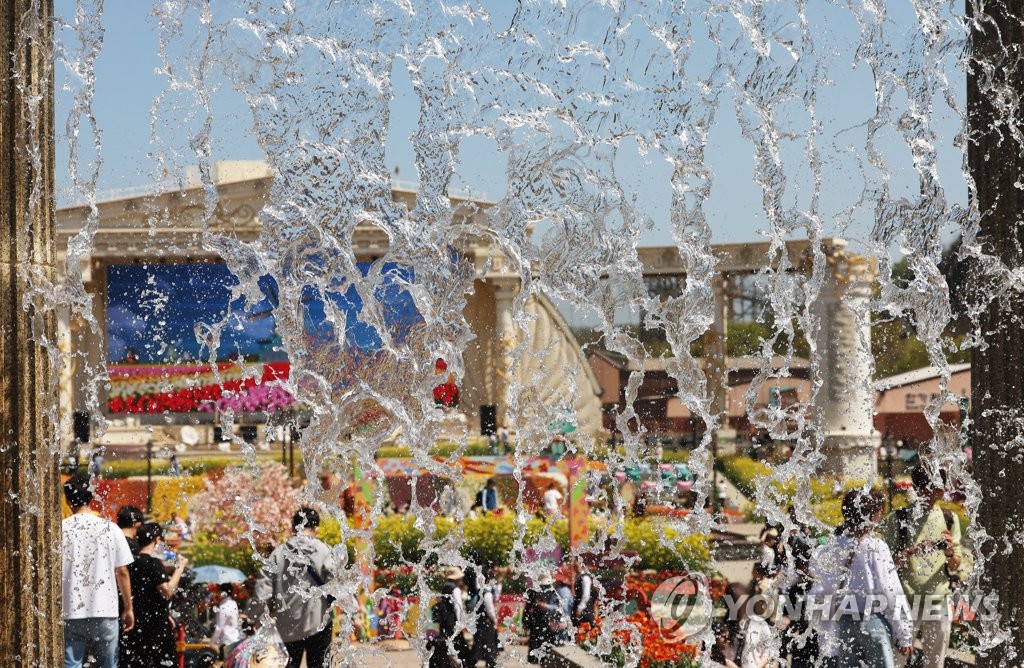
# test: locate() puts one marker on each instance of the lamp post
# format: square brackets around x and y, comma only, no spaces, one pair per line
[149,475]
[284,443]
[714,471]
[292,429]
[889,453]
[291,447]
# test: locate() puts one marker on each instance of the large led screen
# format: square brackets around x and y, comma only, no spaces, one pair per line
[178,342]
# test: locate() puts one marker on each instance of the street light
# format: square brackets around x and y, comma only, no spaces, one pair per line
[149,476]
[714,472]
[890,452]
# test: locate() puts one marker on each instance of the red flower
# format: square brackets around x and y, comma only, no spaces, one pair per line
[446,394]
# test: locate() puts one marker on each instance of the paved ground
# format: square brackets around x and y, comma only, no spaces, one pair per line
[733,498]
[399,656]
[736,571]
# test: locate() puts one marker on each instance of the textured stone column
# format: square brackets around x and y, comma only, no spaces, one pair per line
[844,407]
[716,350]
[505,292]
[30,574]
[996,164]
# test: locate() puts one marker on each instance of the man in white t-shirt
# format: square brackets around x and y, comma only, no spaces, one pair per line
[96,558]
[552,502]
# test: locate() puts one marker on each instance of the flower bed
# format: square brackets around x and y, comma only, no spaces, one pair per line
[648,580]
[140,388]
[646,639]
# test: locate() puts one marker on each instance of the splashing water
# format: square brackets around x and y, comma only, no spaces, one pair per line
[607,127]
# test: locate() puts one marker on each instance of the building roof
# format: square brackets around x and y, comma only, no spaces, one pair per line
[660,364]
[917,376]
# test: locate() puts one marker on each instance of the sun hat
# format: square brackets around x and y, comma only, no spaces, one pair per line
[453,573]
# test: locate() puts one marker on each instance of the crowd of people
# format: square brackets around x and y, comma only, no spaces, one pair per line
[878,592]
[118,587]
[117,590]
[466,616]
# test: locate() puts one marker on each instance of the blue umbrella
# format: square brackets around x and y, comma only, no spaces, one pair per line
[217,574]
[562,426]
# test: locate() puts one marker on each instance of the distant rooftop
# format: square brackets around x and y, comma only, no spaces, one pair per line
[917,376]
[745,363]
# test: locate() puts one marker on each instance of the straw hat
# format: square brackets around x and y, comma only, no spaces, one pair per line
[545,579]
[453,573]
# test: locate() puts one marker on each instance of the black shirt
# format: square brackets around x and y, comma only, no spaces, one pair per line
[147,574]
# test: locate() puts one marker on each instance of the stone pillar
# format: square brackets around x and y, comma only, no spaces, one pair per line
[995,159]
[505,292]
[30,574]
[845,404]
[716,347]
[66,384]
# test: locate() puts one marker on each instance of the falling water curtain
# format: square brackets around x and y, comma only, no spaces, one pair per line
[251,157]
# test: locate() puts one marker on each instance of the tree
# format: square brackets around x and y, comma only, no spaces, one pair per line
[240,501]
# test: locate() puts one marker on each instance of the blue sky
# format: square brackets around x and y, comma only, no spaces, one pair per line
[127,84]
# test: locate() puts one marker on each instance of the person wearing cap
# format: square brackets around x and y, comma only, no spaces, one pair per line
[151,643]
[291,582]
[95,559]
[449,648]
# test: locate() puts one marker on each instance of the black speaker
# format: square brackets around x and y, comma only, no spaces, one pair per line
[248,433]
[219,435]
[81,426]
[488,419]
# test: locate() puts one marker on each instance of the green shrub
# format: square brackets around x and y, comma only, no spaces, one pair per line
[136,467]
[661,547]
[396,541]
[490,538]
[536,528]
[443,449]
[824,502]
[743,472]
[676,456]
[207,550]
[393,452]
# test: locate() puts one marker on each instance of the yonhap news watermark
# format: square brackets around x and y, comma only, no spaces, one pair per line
[685,609]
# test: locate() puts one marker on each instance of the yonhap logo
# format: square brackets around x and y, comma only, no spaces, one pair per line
[682,605]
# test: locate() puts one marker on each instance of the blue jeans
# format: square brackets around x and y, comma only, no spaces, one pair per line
[100,633]
[866,643]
